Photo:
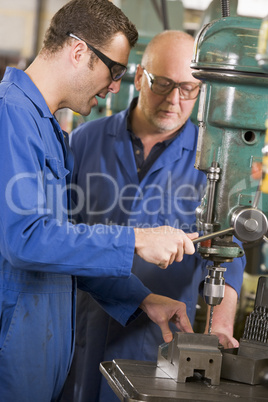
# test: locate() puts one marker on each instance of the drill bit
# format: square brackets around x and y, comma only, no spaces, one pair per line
[210,320]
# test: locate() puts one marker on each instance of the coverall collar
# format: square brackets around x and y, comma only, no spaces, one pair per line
[26,85]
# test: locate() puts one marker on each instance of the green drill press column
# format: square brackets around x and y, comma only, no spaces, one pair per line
[262,55]
[232,112]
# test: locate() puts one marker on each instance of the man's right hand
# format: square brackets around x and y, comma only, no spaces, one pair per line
[163,245]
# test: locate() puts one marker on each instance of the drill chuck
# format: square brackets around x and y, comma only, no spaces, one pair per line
[214,285]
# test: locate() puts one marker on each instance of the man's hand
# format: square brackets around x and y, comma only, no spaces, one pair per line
[163,245]
[161,310]
[225,339]
[223,319]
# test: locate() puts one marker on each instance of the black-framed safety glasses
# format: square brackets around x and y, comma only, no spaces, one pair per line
[117,70]
[163,86]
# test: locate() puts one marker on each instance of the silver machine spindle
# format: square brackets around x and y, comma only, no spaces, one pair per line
[214,284]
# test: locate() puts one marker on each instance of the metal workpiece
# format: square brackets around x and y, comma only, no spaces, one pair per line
[190,354]
[249,362]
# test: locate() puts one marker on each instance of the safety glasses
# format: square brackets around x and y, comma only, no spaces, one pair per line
[163,86]
[117,70]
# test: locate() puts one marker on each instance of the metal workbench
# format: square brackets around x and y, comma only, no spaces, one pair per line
[138,381]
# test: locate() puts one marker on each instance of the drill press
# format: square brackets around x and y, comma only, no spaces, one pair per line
[231,115]
[249,363]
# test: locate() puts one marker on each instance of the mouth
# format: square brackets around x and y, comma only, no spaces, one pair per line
[94,101]
[100,95]
[169,113]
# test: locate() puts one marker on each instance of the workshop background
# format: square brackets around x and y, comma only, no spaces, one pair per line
[22,27]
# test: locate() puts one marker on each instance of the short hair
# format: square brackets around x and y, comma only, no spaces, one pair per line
[95,21]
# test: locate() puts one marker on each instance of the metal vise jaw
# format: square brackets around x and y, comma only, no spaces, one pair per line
[190,354]
[249,363]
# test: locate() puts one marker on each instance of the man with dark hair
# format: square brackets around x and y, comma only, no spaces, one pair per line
[96,21]
[143,173]
[43,256]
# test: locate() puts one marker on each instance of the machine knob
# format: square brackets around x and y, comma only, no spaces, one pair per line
[250,224]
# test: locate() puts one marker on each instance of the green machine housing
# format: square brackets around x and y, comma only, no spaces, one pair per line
[231,118]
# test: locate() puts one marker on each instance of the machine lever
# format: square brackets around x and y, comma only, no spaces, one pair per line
[257,197]
[265,238]
[212,235]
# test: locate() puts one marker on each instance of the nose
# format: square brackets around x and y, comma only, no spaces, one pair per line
[174,96]
[114,87]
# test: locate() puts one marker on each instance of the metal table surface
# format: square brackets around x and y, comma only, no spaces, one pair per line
[138,381]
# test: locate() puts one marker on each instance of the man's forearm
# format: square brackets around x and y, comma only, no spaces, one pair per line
[224,317]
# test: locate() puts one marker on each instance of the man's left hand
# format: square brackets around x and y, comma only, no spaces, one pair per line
[161,310]
[226,340]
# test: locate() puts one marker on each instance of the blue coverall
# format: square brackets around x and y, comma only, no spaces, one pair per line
[41,251]
[106,171]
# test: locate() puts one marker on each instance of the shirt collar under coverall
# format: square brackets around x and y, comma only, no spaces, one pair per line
[143,166]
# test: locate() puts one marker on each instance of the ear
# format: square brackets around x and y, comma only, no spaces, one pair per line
[78,50]
[138,77]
